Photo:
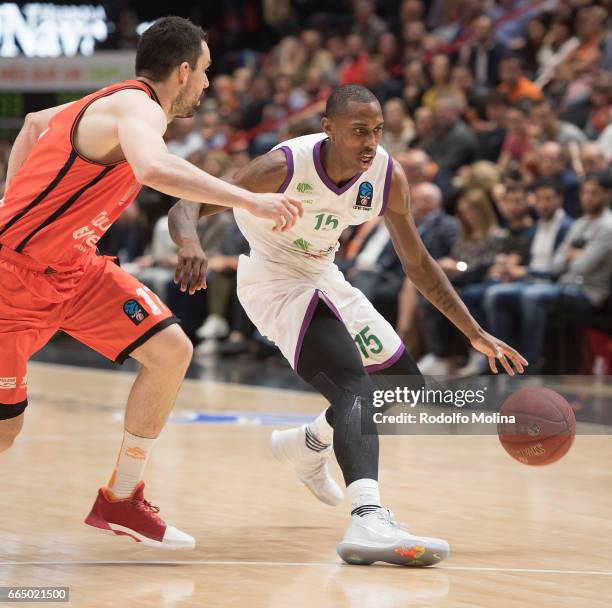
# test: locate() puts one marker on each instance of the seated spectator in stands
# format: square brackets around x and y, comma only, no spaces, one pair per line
[549,128]
[583,263]
[439,74]
[452,144]
[483,54]
[423,127]
[368,24]
[491,132]
[439,233]
[182,139]
[558,43]
[389,52]
[378,81]
[462,83]
[592,158]
[514,84]
[501,301]
[417,166]
[352,70]
[519,139]
[126,238]
[398,131]
[592,113]
[551,164]
[317,57]
[413,36]
[470,258]
[415,85]
[535,32]
[377,271]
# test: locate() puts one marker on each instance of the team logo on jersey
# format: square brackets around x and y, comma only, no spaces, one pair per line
[302,244]
[364,196]
[136,313]
[304,187]
[8,382]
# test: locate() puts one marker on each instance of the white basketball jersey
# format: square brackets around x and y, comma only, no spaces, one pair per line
[328,209]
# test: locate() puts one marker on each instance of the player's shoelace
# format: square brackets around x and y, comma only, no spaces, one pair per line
[147,507]
[387,516]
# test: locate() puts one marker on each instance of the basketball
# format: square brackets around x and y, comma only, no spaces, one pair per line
[544,426]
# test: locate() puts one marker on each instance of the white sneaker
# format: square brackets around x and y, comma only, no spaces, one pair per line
[477,364]
[378,537]
[310,466]
[215,326]
[430,365]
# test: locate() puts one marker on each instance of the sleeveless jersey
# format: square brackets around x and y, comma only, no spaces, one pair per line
[328,209]
[59,204]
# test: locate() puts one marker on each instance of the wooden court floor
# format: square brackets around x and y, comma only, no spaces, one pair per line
[520,536]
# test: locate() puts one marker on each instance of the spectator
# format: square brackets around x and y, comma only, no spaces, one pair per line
[519,138]
[398,131]
[423,127]
[483,54]
[368,25]
[353,68]
[558,43]
[452,144]
[439,233]
[377,80]
[462,85]
[414,35]
[491,132]
[583,263]
[551,164]
[317,57]
[415,85]
[390,55]
[592,158]
[514,84]
[417,166]
[469,260]
[439,71]
[502,301]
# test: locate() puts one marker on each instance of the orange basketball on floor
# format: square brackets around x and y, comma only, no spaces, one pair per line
[544,426]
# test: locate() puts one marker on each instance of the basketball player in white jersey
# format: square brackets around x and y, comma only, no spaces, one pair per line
[328,331]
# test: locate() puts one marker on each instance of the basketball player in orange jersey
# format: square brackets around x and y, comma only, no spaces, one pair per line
[327,329]
[72,171]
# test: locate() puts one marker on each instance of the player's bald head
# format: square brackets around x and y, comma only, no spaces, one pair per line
[343,98]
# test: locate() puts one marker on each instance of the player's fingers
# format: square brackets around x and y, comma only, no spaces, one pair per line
[506,365]
[288,218]
[186,274]
[492,365]
[297,203]
[515,357]
[200,280]
[294,210]
[179,269]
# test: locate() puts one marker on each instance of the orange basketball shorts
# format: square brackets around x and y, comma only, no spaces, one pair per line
[99,304]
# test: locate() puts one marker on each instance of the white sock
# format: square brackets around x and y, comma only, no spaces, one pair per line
[364,496]
[319,435]
[130,465]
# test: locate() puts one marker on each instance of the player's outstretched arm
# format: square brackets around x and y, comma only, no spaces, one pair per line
[431,281]
[33,127]
[141,125]
[264,174]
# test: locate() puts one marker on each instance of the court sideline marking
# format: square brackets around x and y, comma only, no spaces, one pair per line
[290,565]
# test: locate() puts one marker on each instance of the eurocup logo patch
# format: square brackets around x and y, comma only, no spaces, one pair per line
[364,196]
[135,312]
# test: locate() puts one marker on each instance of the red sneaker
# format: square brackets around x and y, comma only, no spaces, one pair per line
[137,518]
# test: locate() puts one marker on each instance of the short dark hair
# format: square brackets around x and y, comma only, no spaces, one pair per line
[553,184]
[514,186]
[166,44]
[338,101]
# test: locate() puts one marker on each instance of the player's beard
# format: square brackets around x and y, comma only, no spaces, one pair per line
[185,105]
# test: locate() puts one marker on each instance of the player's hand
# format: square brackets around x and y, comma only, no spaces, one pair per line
[283,210]
[191,267]
[495,349]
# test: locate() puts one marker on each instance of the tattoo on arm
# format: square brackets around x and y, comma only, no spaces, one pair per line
[439,295]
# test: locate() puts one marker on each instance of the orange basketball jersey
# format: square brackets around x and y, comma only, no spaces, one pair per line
[59,204]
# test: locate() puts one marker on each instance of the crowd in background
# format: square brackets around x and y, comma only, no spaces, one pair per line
[500,114]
